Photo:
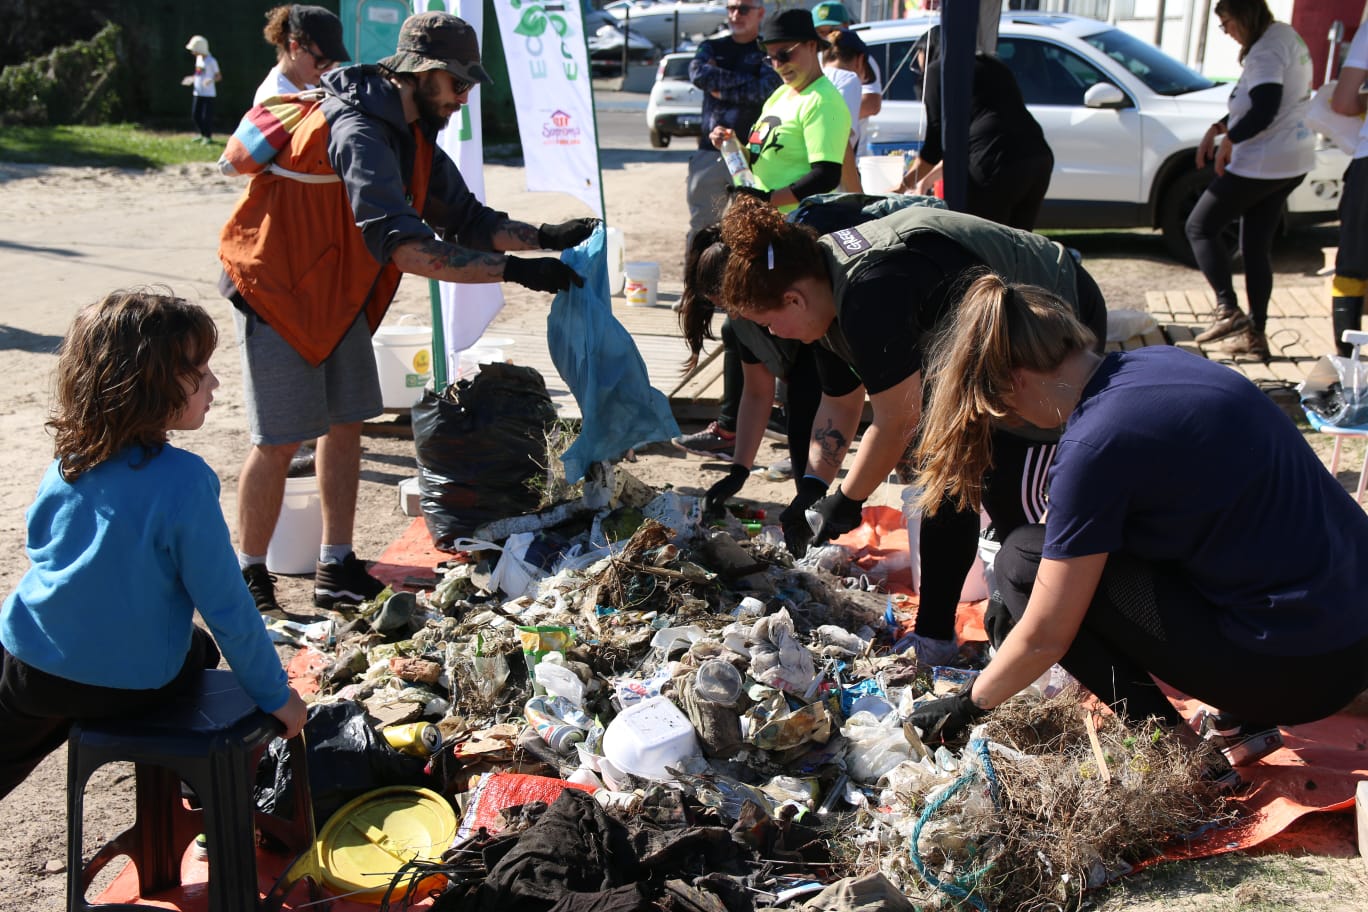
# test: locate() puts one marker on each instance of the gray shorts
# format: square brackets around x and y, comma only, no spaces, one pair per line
[288,400]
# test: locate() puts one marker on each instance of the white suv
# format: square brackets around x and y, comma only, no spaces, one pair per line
[676,105]
[1122,118]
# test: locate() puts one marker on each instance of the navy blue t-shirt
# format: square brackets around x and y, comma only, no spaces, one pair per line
[1173,458]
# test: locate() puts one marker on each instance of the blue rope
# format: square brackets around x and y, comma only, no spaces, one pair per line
[956,887]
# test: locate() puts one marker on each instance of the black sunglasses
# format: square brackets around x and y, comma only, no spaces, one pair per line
[783,55]
[740,9]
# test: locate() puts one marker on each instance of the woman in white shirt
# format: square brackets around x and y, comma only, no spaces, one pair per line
[308,41]
[1267,152]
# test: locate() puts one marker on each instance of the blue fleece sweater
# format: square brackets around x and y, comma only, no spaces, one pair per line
[120,559]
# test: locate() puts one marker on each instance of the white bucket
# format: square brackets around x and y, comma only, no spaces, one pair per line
[485,350]
[403,359]
[641,282]
[617,258]
[878,173]
[299,530]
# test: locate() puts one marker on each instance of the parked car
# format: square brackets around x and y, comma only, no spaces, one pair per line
[676,104]
[1123,119]
[669,24]
[605,39]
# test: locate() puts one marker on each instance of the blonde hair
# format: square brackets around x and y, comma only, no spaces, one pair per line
[119,375]
[768,254]
[997,329]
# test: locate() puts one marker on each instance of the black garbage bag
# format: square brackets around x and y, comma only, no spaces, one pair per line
[346,757]
[478,446]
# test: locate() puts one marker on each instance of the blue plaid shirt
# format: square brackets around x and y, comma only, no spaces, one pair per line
[742,79]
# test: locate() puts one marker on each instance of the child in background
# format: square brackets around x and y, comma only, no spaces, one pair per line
[125,541]
[202,85]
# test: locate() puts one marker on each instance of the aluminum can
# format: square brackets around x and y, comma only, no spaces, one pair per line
[417,739]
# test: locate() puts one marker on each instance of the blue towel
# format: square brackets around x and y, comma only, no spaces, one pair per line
[598,359]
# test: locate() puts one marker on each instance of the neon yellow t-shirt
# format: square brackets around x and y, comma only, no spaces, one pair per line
[796,130]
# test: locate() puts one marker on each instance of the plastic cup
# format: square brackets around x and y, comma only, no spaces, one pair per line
[718,681]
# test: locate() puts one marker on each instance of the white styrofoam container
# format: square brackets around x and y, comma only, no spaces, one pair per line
[409,497]
[648,736]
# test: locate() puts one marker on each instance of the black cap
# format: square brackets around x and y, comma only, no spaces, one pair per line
[790,25]
[438,41]
[323,28]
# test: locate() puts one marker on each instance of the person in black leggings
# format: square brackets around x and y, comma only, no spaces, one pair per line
[1246,586]
[1267,152]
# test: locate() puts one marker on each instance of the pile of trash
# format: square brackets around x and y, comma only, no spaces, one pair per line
[621,700]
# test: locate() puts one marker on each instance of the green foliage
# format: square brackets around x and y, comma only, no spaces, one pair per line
[109,146]
[77,83]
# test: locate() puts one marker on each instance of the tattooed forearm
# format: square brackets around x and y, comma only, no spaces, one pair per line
[440,260]
[517,236]
[832,443]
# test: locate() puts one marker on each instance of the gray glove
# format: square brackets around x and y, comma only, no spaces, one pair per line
[541,274]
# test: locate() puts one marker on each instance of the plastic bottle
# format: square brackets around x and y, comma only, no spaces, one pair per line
[735,157]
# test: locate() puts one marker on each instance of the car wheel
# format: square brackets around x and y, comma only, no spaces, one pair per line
[1179,199]
[659,140]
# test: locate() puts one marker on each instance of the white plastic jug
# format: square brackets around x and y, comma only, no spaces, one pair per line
[642,280]
[617,259]
[299,530]
[403,359]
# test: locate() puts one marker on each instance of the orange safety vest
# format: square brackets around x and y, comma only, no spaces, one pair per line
[294,251]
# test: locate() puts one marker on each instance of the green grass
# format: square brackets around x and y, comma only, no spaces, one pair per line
[111,146]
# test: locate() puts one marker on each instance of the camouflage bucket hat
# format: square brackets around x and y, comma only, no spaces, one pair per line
[438,41]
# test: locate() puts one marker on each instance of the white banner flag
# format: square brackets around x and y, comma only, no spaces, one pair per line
[467,310]
[548,71]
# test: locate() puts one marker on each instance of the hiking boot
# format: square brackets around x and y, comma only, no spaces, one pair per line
[930,653]
[1242,743]
[1226,323]
[346,583]
[1249,345]
[711,441]
[261,583]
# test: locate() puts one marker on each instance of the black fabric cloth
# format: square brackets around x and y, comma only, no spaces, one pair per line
[1264,101]
[1258,204]
[576,856]
[1147,619]
[1009,159]
[802,399]
[824,177]
[37,709]
[742,79]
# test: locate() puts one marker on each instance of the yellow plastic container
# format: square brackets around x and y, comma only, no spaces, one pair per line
[371,837]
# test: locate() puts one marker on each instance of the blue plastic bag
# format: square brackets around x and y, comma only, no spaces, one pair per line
[598,359]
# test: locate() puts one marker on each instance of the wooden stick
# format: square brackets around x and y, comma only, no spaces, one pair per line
[1091,725]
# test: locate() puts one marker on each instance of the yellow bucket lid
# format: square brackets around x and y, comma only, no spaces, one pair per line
[369,838]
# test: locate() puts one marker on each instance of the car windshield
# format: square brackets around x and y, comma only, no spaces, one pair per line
[1163,74]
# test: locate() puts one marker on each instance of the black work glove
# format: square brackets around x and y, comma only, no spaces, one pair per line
[948,716]
[541,274]
[839,515]
[715,500]
[734,190]
[797,532]
[566,234]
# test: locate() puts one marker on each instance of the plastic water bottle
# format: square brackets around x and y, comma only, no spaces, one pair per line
[912,521]
[735,157]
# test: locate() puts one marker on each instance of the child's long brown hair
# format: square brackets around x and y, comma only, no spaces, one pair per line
[997,329]
[119,374]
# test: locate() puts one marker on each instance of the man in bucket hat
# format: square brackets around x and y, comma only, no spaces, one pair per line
[313,254]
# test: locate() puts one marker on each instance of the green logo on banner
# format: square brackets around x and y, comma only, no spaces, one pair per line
[536,17]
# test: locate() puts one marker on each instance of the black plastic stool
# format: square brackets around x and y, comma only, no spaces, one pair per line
[212,740]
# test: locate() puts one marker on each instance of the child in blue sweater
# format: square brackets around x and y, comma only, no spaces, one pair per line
[126,540]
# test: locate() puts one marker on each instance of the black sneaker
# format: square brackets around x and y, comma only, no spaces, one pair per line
[1242,743]
[261,584]
[346,583]
[200,847]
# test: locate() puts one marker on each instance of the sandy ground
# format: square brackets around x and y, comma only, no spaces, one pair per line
[67,236]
